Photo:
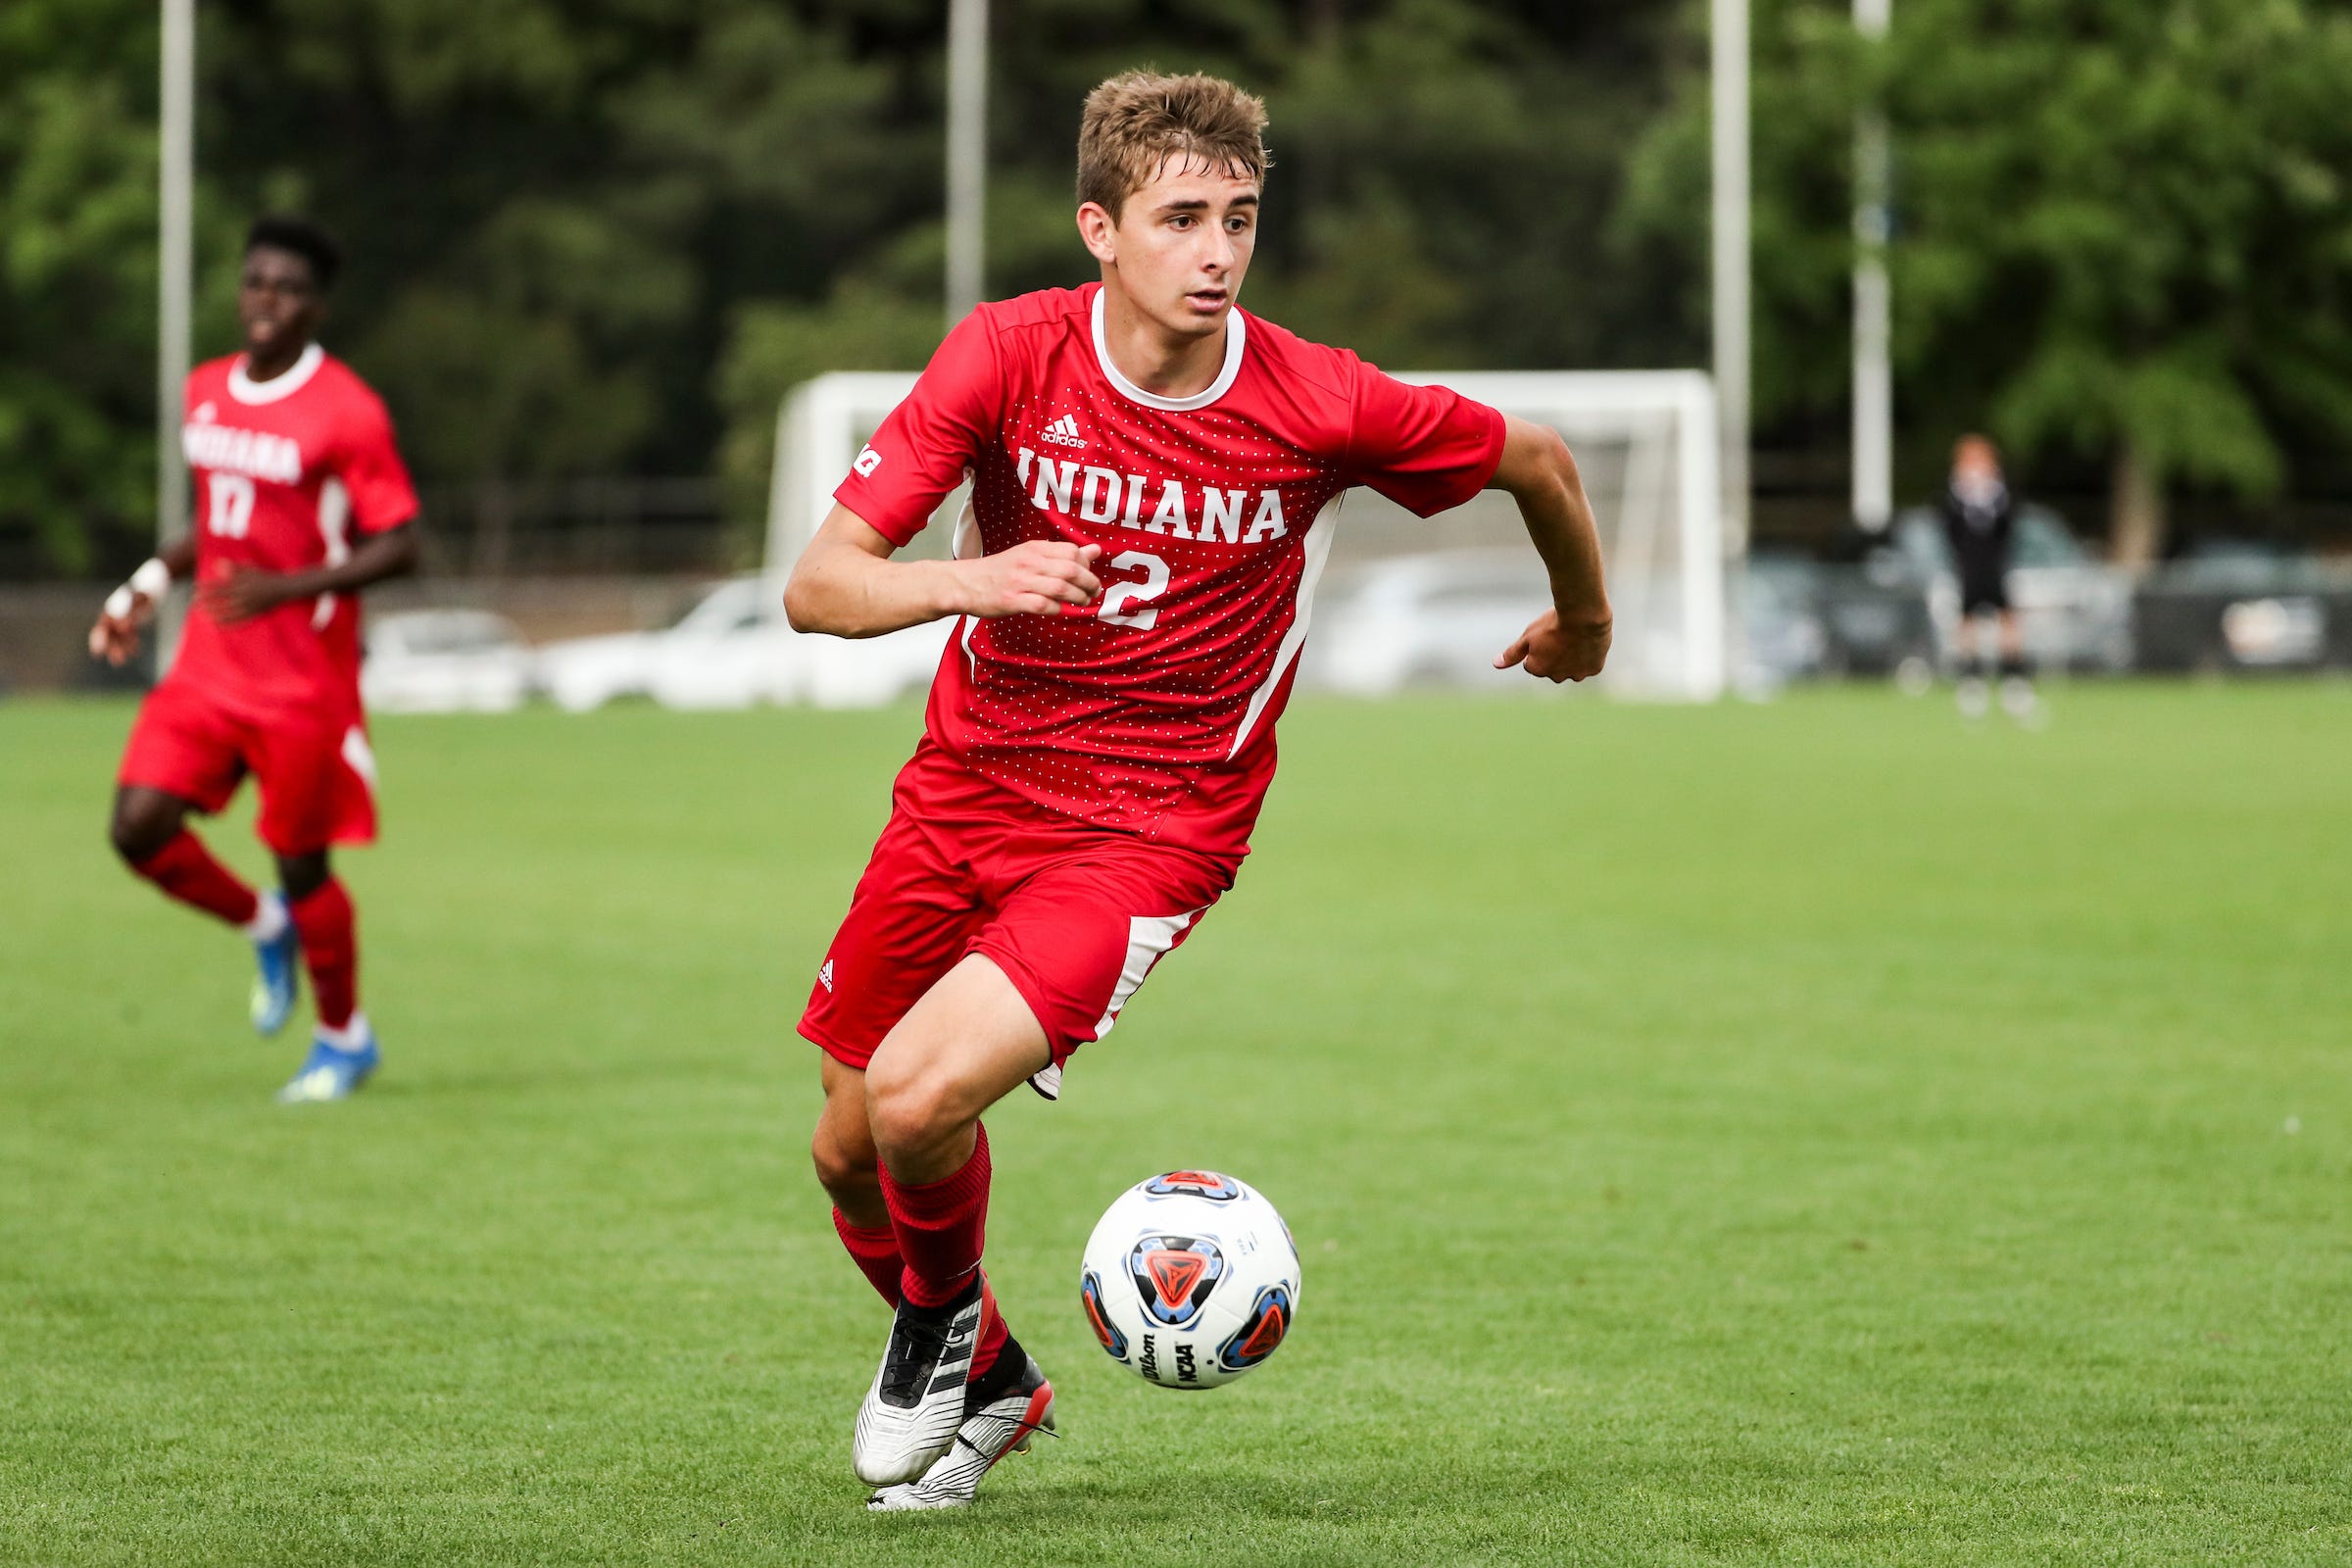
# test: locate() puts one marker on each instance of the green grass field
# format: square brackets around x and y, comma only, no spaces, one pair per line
[1818,1133]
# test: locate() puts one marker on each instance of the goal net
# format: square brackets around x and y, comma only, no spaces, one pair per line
[1412,589]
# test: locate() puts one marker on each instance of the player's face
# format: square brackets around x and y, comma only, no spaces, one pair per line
[278,303]
[1181,245]
[1976,459]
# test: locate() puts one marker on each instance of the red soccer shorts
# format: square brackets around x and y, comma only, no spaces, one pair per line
[1075,916]
[317,778]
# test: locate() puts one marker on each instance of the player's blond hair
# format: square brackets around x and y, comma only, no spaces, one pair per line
[1138,121]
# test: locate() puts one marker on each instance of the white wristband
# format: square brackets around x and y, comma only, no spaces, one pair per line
[119,603]
[153,578]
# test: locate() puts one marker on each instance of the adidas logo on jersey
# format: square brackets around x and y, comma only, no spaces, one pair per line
[1063,432]
[825,975]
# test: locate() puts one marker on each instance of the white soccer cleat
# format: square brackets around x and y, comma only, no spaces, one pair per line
[2019,702]
[1972,698]
[912,1413]
[999,1420]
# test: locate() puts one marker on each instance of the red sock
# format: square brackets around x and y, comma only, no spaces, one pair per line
[187,870]
[330,951]
[994,1336]
[940,1226]
[875,1251]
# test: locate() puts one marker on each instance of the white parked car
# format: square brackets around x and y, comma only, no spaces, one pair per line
[732,648]
[868,673]
[763,659]
[1428,620]
[587,672]
[753,659]
[445,662]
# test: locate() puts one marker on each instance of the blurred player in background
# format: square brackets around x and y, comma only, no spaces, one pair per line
[1980,520]
[1155,478]
[301,501]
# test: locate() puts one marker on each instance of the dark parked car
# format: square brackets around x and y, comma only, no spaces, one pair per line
[2244,605]
[1875,615]
[1780,622]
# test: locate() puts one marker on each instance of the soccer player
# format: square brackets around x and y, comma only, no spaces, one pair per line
[1155,478]
[1980,523]
[301,501]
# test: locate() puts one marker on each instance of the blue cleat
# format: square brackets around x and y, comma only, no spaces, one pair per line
[277,961]
[331,1072]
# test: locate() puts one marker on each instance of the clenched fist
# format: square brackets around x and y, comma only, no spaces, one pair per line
[1033,578]
[115,638]
[1557,649]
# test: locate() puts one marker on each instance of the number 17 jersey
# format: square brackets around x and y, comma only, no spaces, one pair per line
[1153,709]
[288,473]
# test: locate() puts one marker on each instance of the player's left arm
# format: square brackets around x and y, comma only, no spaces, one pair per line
[366,460]
[1571,640]
[244,592]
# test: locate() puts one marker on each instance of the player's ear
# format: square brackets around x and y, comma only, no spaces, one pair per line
[1099,230]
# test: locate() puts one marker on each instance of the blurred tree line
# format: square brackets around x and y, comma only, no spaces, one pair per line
[603,237]
[2122,234]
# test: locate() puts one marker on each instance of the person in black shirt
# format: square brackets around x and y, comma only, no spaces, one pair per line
[1980,520]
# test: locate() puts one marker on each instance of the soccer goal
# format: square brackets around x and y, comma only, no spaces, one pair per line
[1645,441]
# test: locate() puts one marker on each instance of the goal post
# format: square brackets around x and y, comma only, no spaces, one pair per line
[1646,445]
[1645,440]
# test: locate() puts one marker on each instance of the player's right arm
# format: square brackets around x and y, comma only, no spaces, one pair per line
[115,637]
[846,585]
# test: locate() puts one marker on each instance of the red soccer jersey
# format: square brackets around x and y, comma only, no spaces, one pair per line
[1151,709]
[286,471]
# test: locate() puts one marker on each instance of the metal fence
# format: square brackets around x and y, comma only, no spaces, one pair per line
[581,527]
[494,529]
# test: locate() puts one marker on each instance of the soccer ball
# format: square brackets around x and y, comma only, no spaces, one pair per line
[1190,1280]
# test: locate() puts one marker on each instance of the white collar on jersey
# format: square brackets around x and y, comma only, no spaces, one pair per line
[1235,332]
[245,389]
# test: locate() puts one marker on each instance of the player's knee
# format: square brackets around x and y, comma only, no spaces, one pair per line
[138,832]
[910,1111]
[841,1170]
[302,875]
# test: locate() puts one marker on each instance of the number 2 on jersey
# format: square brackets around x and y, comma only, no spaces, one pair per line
[1120,594]
[231,515]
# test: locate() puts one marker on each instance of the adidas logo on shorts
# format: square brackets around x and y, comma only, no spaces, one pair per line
[1063,432]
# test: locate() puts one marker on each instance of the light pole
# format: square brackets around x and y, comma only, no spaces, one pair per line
[1873,378]
[1727,81]
[176,258]
[967,152]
